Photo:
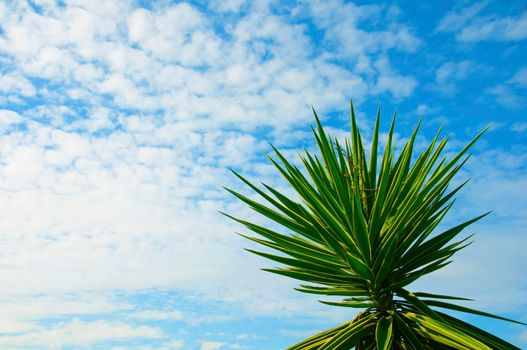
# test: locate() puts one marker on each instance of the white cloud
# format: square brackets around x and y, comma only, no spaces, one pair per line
[170,57]
[8,118]
[519,126]
[237,346]
[427,111]
[449,74]
[520,77]
[398,86]
[470,27]
[227,5]
[21,311]
[244,336]
[509,94]
[211,345]
[505,95]
[13,325]
[140,25]
[80,333]
[157,315]
[16,84]
[452,71]
[456,20]
[389,81]
[499,29]
[342,23]
[175,345]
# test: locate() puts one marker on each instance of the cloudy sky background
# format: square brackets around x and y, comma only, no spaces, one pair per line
[118,120]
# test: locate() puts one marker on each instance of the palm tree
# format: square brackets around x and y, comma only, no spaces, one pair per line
[364,231]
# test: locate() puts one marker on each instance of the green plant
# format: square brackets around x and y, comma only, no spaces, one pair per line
[364,231]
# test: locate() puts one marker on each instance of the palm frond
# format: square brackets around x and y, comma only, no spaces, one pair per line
[364,229]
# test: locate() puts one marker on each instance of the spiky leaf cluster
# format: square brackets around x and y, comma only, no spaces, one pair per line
[363,231]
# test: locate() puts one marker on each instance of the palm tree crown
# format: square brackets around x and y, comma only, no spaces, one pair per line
[364,231]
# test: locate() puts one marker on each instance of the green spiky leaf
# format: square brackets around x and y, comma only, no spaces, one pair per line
[364,229]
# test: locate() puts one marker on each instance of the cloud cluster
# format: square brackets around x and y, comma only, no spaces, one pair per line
[117,125]
[125,119]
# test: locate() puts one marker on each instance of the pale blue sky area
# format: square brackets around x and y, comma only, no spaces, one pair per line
[119,119]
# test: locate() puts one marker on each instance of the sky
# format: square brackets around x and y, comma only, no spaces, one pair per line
[119,120]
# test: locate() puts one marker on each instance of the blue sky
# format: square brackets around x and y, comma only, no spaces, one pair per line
[118,120]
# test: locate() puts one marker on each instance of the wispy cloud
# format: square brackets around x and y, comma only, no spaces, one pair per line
[504,95]
[458,19]
[520,77]
[81,333]
[342,22]
[511,92]
[470,26]
[519,127]
[450,73]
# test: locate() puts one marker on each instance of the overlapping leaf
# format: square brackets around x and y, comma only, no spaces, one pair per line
[364,230]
